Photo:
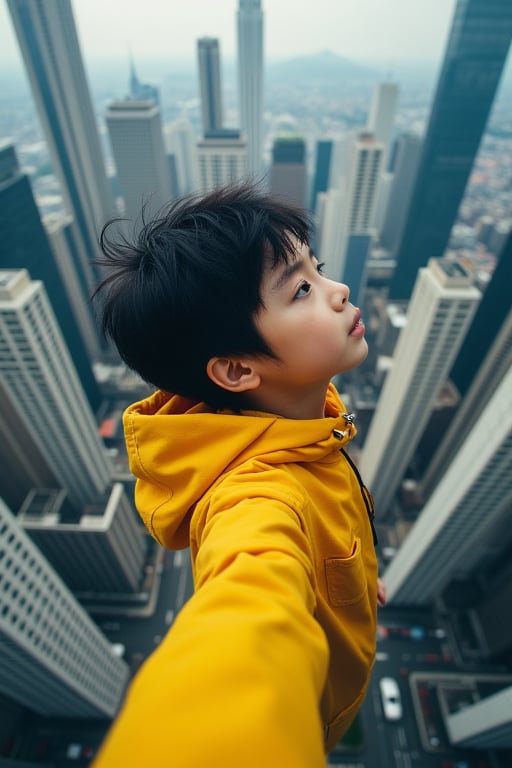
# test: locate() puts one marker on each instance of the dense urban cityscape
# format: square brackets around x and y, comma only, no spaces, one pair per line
[408,175]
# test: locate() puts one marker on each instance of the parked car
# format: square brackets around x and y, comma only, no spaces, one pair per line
[391,699]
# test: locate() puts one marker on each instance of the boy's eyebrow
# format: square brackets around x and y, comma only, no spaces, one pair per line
[289,270]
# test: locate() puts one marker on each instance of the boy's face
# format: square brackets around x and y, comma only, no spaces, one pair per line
[309,324]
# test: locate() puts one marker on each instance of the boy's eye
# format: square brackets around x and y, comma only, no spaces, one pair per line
[303,290]
[320,267]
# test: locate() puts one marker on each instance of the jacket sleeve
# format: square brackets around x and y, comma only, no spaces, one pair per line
[238,678]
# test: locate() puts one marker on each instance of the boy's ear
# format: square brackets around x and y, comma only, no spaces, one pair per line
[233,374]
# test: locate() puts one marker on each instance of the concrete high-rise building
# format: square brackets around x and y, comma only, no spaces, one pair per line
[222,159]
[181,142]
[51,51]
[488,376]
[24,464]
[381,117]
[41,381]
[101,550]
[65,248]
[441,308]
[24,244]
[407,156]
[288,170]
[465,514]
[54,659]
[250,80]
[208,55]
[358,187]
[137,141]
[477,48]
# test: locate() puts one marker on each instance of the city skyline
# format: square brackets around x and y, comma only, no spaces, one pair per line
[391,31]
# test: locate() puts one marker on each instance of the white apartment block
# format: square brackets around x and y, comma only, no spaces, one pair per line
[53,658]
[349,208]
[441,308]
[464,513]
[222,160]
[38,374]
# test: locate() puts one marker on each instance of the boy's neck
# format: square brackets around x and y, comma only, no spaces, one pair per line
[292,404]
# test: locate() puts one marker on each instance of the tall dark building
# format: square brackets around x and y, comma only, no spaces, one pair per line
[476,52]
[24,245]
[50,48]
[492,312]
[322,168]
[208,54]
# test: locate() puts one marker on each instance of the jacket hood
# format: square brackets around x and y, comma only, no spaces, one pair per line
[178,449]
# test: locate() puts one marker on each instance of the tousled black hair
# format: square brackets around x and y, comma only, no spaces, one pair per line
[188,287]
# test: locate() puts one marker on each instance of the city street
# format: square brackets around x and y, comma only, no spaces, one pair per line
[418,654]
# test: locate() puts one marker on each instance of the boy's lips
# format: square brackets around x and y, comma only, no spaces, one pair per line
[357,328]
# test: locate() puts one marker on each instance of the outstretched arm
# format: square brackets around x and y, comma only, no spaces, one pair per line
[238,678]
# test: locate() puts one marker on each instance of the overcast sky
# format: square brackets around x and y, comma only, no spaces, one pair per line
[364,30]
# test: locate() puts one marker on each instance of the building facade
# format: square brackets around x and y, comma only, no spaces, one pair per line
[50,48]
[476,51]
[39,377]
[208,55]
[441,308]
[54,659]
[222,157]
[24,244]
[100,551]
[466,513]
[136,136]
[288,170]
[250,80]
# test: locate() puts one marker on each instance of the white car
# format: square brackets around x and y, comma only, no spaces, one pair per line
[391,701]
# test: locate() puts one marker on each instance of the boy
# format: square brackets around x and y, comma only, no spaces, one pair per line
[240,455]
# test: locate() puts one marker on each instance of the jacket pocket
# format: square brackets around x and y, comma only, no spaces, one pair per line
[345,577]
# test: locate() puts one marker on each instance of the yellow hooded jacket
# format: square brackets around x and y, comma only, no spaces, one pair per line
[269,661]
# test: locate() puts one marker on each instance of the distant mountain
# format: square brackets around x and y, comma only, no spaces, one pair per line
[325,65]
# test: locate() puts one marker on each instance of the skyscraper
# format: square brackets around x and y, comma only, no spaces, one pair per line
[358,187]
[465,514]
[142,91]
[54,659]
[441,308]
[487,377]
[475,55]
[222,157]
[381,118]
[407,155]
[24,465]
[208,54]
[288,169]
[250,79]
[100,550]
[51,51]
[181,142]
[24,244]
[137,141]
[493,310]
[41,381]
[322,169]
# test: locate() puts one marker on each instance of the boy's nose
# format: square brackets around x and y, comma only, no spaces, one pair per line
[340,296]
